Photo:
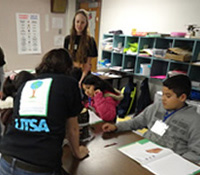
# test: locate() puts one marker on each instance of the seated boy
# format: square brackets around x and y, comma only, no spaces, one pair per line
[172,123]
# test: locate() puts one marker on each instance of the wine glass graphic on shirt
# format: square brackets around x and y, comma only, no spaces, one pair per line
[35,86]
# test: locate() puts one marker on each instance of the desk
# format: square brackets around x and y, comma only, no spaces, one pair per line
[104,160]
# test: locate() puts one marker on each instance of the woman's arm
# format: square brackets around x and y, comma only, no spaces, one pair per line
[73,136]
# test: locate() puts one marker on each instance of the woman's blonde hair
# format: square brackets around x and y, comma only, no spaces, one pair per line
[81,54]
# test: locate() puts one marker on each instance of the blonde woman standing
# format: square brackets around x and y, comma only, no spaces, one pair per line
[81,45]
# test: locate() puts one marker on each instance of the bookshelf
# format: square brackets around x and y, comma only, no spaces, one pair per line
[159,67]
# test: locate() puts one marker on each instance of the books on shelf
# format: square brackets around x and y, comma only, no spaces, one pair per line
[157,159]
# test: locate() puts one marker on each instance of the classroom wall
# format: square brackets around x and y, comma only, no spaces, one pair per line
[163,16]
[8,32]
[149,15]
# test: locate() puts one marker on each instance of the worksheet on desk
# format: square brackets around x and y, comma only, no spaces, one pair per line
[145,151]
[157,159]
[172,164]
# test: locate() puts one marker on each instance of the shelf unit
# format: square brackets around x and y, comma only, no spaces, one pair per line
[159,66]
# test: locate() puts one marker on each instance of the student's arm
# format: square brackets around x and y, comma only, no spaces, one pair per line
[108,127]
[142,120]
[73,136]
[138,122]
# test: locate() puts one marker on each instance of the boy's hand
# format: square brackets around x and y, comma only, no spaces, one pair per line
[108,127]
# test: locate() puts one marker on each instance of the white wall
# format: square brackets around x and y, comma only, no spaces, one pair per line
[8,33]
[163,16]
[149,15]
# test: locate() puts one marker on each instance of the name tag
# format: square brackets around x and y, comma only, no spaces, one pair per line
[159,127]
[75,47]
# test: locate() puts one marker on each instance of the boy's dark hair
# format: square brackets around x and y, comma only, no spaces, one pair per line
[98,83]
[180,84]
[10,87]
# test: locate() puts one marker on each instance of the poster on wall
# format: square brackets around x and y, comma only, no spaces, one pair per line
[28,33]
[92,17]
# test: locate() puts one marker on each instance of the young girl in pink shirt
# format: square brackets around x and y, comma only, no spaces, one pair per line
[102,97]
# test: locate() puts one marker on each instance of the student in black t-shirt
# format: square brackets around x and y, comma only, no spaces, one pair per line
[81,45]
[45,109]
[10,87]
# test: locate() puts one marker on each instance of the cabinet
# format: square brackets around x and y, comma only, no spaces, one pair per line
[159,67]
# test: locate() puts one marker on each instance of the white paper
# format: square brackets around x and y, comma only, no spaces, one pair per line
[57,23]
[161,162]
[92,22]
[172,164]
[28,33]
[58,40]
[139,152]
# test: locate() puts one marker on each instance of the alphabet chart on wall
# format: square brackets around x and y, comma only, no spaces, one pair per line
[28,33]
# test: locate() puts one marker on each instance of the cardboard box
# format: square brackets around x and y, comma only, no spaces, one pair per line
[178,54]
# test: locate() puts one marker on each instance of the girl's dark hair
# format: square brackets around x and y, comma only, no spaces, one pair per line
[55,61]
[21,78]
[10,87]
[180,84]
[81,54]
[98,83]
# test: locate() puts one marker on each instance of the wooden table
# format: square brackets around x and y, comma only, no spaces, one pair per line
[104,160]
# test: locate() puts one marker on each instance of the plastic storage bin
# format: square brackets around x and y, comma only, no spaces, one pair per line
[145,69]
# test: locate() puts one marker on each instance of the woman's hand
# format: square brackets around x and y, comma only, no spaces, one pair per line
[83,152]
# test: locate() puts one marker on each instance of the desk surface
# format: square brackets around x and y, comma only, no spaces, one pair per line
[104,160]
